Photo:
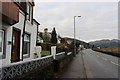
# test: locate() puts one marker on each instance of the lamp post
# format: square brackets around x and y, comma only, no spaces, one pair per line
[75,35]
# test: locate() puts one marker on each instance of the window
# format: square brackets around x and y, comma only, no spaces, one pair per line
[2,44]
[29,12]
[19,1]
[26,51]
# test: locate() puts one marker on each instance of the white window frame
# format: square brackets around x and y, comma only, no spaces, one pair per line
[28,41]
[1,53]
[18,1]
[29,11]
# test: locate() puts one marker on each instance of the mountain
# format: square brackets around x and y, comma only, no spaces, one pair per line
[106,43]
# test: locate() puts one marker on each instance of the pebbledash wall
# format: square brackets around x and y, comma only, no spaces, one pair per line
[29,28]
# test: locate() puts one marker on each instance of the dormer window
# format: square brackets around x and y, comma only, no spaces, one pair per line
[29,11]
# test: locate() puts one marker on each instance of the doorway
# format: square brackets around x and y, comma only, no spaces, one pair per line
[15,56]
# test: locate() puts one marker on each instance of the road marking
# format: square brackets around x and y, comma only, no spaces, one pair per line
[114,63]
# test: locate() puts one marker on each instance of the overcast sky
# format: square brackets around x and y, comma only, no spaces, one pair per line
[99,19]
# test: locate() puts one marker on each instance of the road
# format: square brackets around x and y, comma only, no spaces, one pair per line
[91,64]
[99,65]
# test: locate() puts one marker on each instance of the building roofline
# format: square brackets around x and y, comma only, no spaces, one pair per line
[36,22]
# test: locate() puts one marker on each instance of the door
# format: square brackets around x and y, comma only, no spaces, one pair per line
[15,56]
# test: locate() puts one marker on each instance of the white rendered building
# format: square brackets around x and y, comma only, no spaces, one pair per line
[18,32]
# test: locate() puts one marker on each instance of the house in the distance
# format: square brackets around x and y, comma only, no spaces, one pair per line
[45,36]
[18,31]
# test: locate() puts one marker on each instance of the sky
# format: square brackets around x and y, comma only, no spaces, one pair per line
[99,20]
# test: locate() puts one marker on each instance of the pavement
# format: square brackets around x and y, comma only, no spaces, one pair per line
[91,64]
[75,68]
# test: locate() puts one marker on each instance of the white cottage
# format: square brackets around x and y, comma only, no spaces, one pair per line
[18,32]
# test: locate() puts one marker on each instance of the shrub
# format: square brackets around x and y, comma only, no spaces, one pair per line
[62,48]
[59,48]
[46,46]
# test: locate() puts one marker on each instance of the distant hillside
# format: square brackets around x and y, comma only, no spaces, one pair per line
[77,41]
[106,43]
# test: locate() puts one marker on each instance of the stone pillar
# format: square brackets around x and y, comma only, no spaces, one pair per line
[53,51]
[38,51]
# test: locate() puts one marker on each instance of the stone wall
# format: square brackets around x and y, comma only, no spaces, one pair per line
[60,65]
[50,71]
[38,74]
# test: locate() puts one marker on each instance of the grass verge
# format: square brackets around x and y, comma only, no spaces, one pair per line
[45,53]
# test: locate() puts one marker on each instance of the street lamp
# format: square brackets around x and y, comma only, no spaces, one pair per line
[75,35]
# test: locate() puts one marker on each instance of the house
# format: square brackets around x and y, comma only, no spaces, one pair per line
[67,40]
[82,44]
[45,36]
[18,31]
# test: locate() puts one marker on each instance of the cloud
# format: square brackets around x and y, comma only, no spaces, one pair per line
[99,19]
[76,0]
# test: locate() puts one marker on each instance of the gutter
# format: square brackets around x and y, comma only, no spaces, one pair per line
[24,25]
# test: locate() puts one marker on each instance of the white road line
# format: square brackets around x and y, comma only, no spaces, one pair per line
[114,63]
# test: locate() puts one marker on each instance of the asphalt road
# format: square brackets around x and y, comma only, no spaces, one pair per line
[99,65]
[91,64]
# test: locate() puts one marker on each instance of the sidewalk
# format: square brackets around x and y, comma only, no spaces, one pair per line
[75,68]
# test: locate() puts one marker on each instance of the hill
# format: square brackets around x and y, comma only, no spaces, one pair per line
[106,43]
[79,42]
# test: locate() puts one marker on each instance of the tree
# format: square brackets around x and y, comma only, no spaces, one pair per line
[40,34]
[54,36]
[46,36]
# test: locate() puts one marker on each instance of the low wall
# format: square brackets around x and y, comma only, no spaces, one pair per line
[59,56]
[61,64]
[20,69]
[44,73]
[106,52]
[38,69]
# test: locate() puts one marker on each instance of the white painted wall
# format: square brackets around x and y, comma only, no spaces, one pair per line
[6,61]
[31,29]
[9,31]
